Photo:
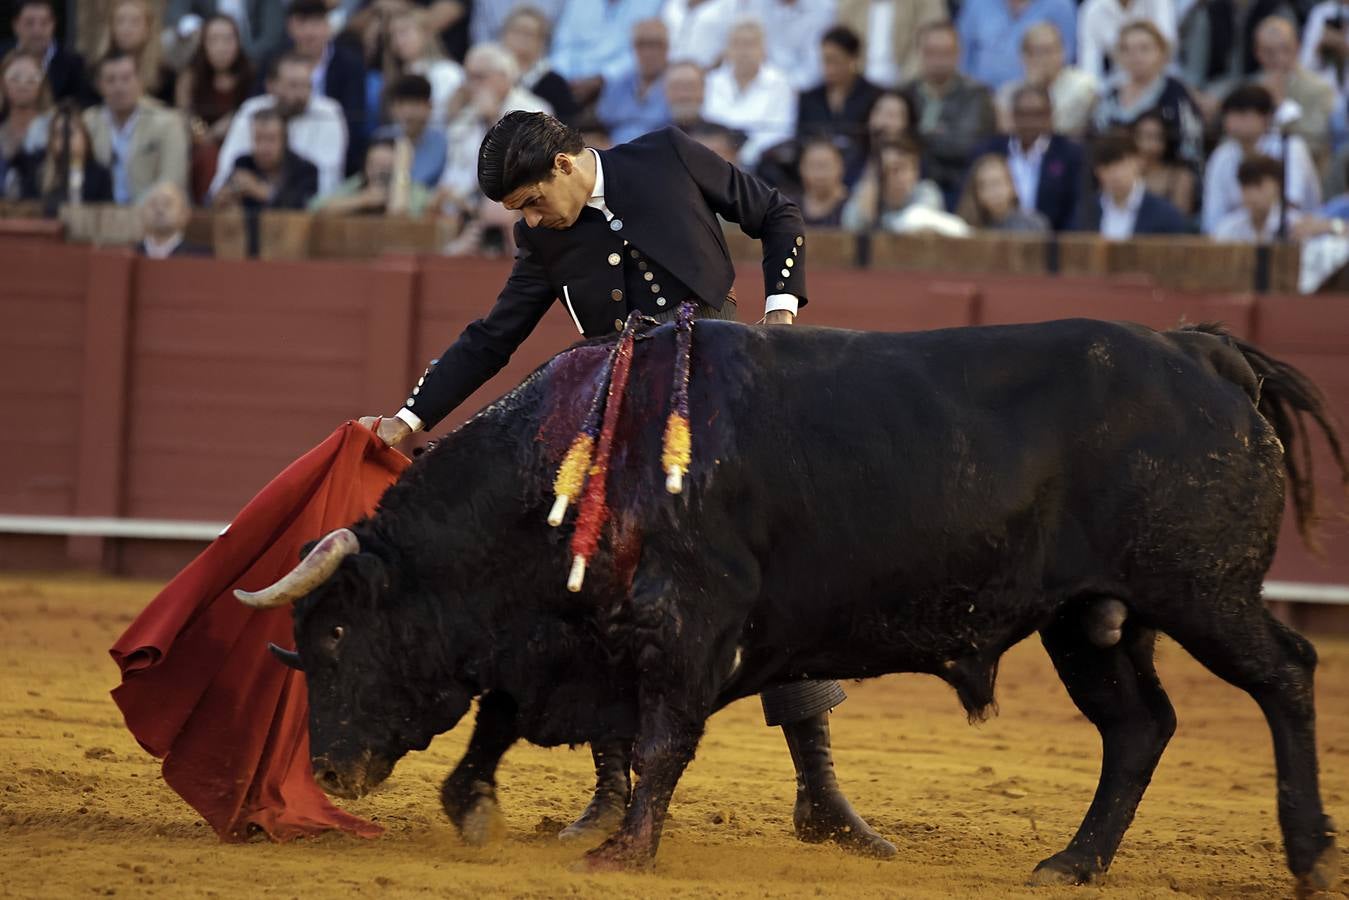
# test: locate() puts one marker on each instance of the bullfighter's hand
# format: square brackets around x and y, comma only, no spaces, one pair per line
[779,317]
[391,429]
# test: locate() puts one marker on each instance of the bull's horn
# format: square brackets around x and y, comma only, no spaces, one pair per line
[312,571]
[289,657]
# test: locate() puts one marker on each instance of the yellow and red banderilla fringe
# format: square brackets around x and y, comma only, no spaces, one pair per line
[584,472]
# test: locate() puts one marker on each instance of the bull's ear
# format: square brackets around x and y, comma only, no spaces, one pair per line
[289,657]
[371,574]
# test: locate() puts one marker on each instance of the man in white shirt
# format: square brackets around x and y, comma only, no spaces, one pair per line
[797,27]
[1099,23]
[699,29]
[1259,219]
[1325,42]
[748,94]
[316,130]
[1247,117]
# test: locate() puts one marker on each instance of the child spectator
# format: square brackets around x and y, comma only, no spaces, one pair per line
[133,28]
[25,104]
[1258,219]
[1163,172]
[954,113]
[1142,85]
[139,139]
[384,187]
[1124,207]
[410,108]
[214,86]
[823,191]
[1247,117]
[990,199]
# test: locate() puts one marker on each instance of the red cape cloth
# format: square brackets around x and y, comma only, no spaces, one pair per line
[199,688]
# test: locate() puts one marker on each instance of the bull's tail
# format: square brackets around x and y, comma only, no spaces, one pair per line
[1286,398]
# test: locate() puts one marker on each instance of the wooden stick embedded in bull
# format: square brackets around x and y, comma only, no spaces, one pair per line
[677,451]
[572,473]
[594,506]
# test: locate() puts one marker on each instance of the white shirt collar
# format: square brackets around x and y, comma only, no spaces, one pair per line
[1131,205]
[162,249]
[1036,150]
[597,195]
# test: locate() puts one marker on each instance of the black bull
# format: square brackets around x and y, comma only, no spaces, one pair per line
[858,504]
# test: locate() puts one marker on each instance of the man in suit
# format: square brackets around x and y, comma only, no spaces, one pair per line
[262,23]
[139,139]
[34,25]
[635,229]
[1047,168]
[164,213]
[1124,208]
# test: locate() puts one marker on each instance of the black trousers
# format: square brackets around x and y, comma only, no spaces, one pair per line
[785,703]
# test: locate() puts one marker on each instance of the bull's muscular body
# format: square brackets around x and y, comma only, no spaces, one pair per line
[858,504]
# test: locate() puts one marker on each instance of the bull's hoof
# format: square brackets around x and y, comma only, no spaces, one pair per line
[601,818]
[1324,873]
[616,855]
[482,823]
[833,819]
[1063,868]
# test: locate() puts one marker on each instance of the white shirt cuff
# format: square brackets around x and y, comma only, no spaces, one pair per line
[412,420]
[781,301]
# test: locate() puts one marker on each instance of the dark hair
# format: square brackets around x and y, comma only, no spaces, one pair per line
[387,143]
[1255,169]
[819,140]
[520,149]
[268,114]
[285,59]
[113,56]
[24,4]
[203,76]
[1170,136]
[410,87]
[1109,149]
[845,39]
[712,130]
[905,144]
[1249,98]
[1026,89]
[934,27]
[307,9]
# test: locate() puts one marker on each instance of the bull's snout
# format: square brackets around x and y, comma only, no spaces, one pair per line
[352,781]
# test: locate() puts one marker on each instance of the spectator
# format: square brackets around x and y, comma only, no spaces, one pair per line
[25,104]
[635,103]
[489,17]
[890,118]
[383,188]
[1143,86]
[1125,207]
[586,54]
[954,114]
[1164,174]
[1258,219]
[216,84]
[1216,42]
[85,180]
[1072,90]
[889,188]
[838,108]
[336,71]
[1046,168]
[1247,114]
[699,29]
[1100,26]
[892,28]
[410,105]
[823,191]
[164,214]
[315,128]
[989,202]
[139,139]
[798,27]
[272,176]
[1325,43]
[1288,82]
[261,23]
[133,28]
[415,50]
[491,91]
[684,94]
[34,26]
[526,35]
[748,94]
[988,28]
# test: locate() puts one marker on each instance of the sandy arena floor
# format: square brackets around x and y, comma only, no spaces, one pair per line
[972,809]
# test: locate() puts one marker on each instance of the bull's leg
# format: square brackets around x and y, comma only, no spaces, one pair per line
[469,794]
[613,787]
[1117,689]
[1275,665]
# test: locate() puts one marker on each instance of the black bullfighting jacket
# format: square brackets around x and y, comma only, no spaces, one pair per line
[663,245]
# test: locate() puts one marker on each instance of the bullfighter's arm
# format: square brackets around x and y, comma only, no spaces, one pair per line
[761,211]
[485,345]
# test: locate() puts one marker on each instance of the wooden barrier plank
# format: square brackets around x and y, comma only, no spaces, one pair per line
[1002,253]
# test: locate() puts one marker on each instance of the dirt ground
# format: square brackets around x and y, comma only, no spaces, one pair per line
[83,810]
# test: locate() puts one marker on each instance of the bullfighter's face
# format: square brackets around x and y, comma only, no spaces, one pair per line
[557,201]
[379,683]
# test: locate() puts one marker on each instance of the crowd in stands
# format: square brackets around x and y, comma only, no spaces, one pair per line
[1228,118]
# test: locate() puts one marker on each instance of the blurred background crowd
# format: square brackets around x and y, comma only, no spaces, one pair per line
[1120,117]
